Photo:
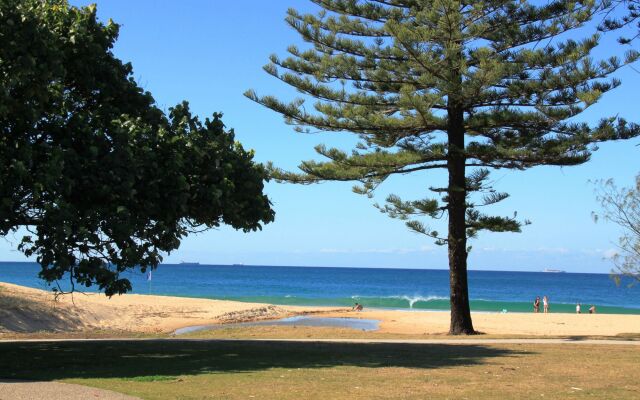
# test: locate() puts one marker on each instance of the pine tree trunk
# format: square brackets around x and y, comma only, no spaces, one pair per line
[458,288]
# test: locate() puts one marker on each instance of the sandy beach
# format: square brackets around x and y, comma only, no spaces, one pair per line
[434,322]
[25,310]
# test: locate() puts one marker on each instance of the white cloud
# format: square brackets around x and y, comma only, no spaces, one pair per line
[392,250]
[610,253]
[553,250]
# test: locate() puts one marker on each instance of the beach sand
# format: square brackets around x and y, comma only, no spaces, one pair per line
[25,310]
[559,324]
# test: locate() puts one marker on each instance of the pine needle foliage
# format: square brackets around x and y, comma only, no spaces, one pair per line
[464,86]
[621,14]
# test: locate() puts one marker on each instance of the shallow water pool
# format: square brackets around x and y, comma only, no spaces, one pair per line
[350,323]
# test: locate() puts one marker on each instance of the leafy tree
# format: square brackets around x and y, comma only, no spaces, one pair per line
[103,179]
[463,86]
[622,207]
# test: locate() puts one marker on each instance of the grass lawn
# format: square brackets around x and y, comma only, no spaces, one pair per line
[178,369]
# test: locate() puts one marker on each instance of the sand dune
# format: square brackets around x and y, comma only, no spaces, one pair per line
[25,309]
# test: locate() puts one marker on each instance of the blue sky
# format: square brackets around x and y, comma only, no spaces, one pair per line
[210,52]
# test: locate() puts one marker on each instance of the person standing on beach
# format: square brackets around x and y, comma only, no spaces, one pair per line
[545,304]
[578,308]
[592,309]
[536,304]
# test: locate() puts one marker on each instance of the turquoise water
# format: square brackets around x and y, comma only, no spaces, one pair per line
[408,289]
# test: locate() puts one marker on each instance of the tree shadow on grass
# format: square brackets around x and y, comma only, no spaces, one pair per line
[131,359]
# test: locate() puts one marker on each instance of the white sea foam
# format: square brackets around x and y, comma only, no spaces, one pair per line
[412,300]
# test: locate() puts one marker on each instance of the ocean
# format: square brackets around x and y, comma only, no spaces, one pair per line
[403,289]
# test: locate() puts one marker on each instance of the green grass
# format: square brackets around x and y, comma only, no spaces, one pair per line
[244,369]
[303,332]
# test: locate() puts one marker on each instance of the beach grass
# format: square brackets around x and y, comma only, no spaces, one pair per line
[287,332]
[81,334]
[179,369]
[306,332]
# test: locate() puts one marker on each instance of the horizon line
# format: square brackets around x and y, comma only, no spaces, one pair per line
[241,265]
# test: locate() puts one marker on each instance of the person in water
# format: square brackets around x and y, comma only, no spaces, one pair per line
[592,309]
[536,304]
[545,304]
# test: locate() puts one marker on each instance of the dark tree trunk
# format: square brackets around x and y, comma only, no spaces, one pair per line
[457,239]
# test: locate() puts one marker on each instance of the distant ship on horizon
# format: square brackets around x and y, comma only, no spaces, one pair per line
[189,263]
[553,270]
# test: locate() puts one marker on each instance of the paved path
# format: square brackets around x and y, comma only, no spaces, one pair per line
[466,341]
[20,390]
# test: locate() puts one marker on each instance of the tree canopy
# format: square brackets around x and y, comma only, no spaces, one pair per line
[463,86]
[622,207]
[104,180]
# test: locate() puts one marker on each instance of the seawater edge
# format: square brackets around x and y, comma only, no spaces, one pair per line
[375,288]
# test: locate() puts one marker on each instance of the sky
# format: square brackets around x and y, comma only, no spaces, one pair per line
[210,52]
